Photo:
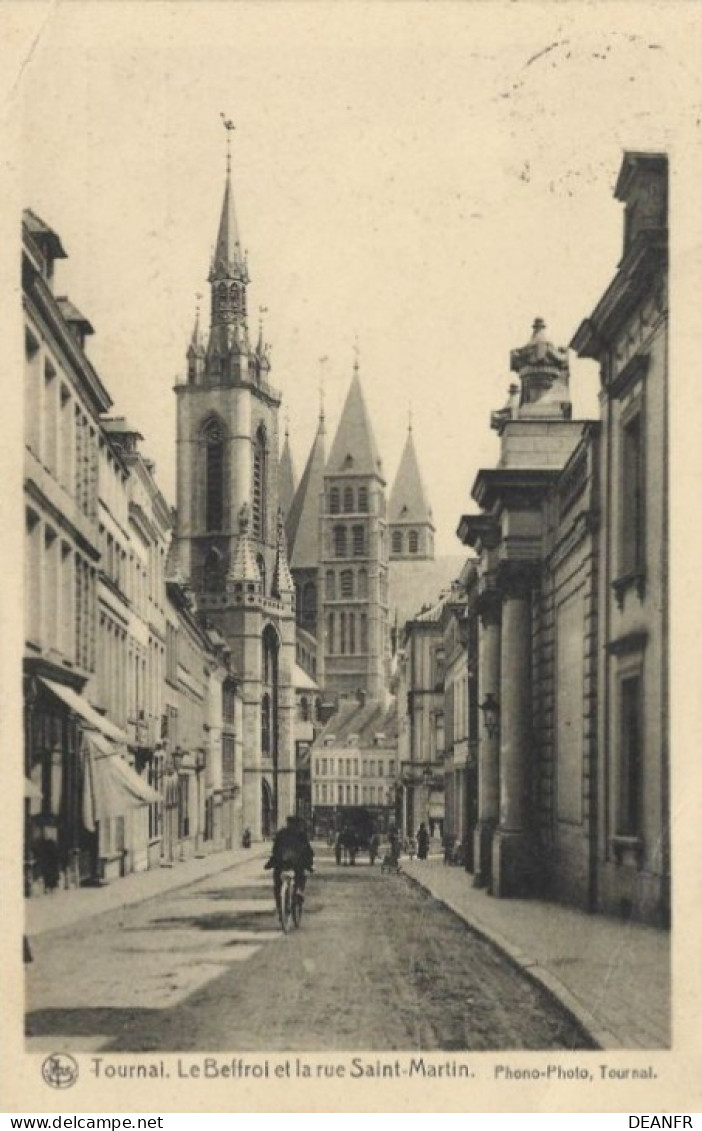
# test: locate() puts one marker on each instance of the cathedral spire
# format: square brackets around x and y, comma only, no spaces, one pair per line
[354,449]
[286,476]
[409,513]
[302,525]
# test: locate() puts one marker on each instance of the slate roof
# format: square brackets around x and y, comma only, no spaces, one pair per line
[286,479]
[354,449]
[408,499]
[302,523]
[365,720]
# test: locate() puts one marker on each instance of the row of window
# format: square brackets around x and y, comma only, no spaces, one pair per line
[398,541]
[349,767]
[353,502]
[349,541]
[58,431]
[347,584]
[346,633]
[60,595]
[352,795]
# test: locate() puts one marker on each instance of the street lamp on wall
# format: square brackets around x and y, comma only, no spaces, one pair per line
[491,714]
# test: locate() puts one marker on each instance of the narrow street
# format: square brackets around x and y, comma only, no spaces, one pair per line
[377,964]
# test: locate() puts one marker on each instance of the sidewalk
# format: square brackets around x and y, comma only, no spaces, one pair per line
[611,974]
[63,908]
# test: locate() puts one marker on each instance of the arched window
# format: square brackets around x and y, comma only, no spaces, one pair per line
[269,698]
[347,583]
[334,500]
[266,724]
[339,541]
[413,540]
[348,500]
[330,634]
[305,709]
[362,583]
[352,634]
[309,601]
[213,435]
[342,633]
[261,563]
[397,541]
[258,508]
[363,500]
[364,632]
[330,586]
[213,573]
[359,541]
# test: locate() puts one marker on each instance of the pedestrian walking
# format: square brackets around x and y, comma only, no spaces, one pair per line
[422,842]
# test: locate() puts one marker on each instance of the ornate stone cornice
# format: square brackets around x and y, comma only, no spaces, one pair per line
[513,487]
[479,530]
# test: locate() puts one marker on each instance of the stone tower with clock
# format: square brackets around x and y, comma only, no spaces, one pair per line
[229,540]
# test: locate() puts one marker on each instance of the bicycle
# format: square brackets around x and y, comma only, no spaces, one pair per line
[290,901]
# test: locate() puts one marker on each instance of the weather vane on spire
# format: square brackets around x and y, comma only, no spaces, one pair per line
[409,417]
[357,352]
[229,126]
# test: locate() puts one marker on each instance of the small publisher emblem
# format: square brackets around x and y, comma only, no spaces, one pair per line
[59,1070]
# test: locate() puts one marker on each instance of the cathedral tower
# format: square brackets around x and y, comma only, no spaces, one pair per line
[409,513]
[230,544]
[354,557]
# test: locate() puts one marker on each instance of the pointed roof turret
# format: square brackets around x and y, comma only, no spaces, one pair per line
[408,499]
[244,567]
[283,584]
[302,526]
[197,345]
[354,448]
[286,477]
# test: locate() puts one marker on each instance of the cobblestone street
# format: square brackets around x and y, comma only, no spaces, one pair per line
[378,964]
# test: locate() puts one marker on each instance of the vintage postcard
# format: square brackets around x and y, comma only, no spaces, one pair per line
[350,605]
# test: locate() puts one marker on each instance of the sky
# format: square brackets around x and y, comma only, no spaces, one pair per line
[425,179]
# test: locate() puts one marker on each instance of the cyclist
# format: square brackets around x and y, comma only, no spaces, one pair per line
[291,850]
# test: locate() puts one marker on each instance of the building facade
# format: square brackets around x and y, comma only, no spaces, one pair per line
[354,765]
[627,334]
[572,601]
[422,746]
[101,779]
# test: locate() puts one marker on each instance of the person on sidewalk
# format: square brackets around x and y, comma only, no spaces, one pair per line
[422,842]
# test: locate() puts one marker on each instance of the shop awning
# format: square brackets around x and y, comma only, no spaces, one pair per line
[111,788]
[82,707]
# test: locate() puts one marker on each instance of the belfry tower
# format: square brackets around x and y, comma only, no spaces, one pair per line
[230,540]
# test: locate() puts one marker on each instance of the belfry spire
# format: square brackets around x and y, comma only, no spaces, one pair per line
[228,279]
